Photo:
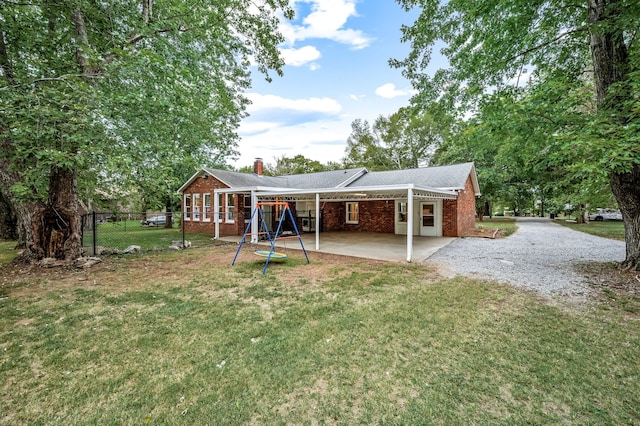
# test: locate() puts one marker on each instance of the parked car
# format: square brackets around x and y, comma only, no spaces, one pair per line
[156,221]
[605,214]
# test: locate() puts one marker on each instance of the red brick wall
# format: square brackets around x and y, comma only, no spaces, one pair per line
[449,218]
[374,216]
[202,186]
[458,216]
[466,208]
[333,216]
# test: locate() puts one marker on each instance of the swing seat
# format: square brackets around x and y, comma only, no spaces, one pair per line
[274,255]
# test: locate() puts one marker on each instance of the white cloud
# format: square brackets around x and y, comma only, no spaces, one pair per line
[299,57]
[252,127]
[323,141]
[389,91]
[355,97]
[326,20]
[313,105]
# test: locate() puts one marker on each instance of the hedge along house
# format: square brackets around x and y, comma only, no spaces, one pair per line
[430,201]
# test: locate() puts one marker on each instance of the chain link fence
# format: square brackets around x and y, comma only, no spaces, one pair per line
[105,233]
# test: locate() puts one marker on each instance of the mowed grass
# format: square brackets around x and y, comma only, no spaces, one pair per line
[507,226]
[8,251]
[122,234]
[183,338]
[606,229]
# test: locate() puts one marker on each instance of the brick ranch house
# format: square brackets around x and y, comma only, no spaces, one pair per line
[431,201]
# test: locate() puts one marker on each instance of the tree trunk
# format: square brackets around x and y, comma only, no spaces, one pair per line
[169,216]
[8,221]
[626,188]
[610,66]
[55,226]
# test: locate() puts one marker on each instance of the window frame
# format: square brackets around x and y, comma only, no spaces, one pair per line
[196,206]
[220,213]
[401,210]
[206,207]
[349,211]
[230,205]
[187,207]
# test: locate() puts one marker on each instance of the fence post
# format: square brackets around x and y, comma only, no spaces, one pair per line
[182,224]
[95,231]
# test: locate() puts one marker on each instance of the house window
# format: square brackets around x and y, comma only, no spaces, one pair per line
[187,206]
[402,211]
[206,207]
[196,206]
[219,213]
[231,208]
[352,213]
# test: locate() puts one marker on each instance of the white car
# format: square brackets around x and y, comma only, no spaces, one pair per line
[605,214]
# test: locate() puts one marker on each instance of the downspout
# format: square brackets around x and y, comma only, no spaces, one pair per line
[409,223]
[254,217]
[318,221]
[216,214]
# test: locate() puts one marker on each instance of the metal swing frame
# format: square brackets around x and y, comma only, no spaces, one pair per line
[272,238]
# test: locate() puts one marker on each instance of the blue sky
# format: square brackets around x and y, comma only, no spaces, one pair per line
[337,70]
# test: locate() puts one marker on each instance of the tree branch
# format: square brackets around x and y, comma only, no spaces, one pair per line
[547,43]
[82,42]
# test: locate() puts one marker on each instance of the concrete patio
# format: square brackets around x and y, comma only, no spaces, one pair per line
[368,245]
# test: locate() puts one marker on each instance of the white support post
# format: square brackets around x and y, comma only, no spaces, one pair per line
[216,214]
[409,223]
[318,221]
[254,218]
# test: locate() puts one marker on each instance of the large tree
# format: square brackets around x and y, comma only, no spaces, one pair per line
[296,165]
[405,139]
[112,93]
[366,148]
[490,43]
[412,135]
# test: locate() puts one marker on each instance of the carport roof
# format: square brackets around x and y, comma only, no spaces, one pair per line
[328,179]
[358,183]
[453,177]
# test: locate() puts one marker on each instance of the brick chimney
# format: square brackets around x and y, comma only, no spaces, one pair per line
[258,167]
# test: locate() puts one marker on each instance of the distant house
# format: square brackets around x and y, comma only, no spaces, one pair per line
[429,201]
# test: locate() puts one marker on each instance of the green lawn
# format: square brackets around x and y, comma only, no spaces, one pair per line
[506,225]
[606,229]
[183,338]
[120,235]
[8,251]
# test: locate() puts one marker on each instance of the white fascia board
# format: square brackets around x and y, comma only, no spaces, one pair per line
[248,189]
[353,178]
[474,180]
[361,189]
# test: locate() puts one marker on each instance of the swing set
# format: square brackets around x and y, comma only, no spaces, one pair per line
[272,254]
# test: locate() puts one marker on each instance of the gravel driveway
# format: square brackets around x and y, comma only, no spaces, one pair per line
[539,256]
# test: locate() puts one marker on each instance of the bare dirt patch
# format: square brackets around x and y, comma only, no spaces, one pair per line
[119,274]
[482,232]
[609,276]
[614,285]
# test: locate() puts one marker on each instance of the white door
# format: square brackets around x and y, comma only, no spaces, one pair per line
[428,219]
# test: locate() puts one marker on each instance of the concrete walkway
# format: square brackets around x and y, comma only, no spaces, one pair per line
[368,245]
